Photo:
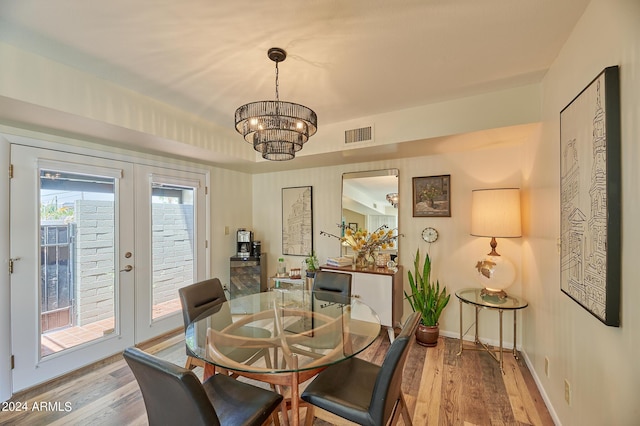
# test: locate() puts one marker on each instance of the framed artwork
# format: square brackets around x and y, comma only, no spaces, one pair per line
[297,221]
[432,196]
[590,198]
[353,226]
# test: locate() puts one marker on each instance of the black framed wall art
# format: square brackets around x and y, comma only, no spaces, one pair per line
[297,221]
[590,198]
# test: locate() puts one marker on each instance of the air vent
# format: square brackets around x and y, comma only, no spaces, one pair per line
[358,135]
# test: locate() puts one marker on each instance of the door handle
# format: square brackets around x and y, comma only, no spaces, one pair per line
[127,268]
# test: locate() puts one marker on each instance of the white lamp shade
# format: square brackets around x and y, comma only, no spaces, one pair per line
[496,213]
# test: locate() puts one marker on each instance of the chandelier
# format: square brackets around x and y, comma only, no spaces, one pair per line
[277,129]
[393,199]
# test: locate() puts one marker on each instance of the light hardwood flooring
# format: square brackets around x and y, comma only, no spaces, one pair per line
[441,388]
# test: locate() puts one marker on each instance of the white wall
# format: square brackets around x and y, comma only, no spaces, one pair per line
[454,254]
[231,198]
[602,364]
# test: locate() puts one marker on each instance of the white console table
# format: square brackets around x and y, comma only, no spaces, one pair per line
[381,289]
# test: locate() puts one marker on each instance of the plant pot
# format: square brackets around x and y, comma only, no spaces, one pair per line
[427,335]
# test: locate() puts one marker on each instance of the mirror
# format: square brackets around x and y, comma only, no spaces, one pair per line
[365,204]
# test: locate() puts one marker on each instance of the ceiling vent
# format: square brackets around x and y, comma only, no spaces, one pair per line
[363,134]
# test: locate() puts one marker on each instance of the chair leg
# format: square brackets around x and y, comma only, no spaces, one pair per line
[272,420]
[276,419]
[283,405]
[309,417]
[404,409]
[401,409]
[190,365]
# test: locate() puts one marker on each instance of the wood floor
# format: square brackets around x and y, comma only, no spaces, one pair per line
[441,388]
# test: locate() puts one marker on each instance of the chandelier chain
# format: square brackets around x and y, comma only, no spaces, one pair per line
[277,83]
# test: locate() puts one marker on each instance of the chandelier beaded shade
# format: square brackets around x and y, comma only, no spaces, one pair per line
[277,129]
[392,198]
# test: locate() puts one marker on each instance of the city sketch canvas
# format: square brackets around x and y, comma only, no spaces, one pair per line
[590,198]
[297,221]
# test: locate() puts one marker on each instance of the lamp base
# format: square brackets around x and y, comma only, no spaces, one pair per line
[499,294]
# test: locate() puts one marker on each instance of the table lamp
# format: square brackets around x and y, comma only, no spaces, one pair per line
[495,213]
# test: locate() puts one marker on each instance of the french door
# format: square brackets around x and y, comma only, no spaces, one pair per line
[99,248]
[72,244]
[171,226]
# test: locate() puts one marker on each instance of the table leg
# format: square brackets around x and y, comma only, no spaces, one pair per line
[209,370]
[295,392]
[460,352]
[515,352]
[476,336]
[295,400]
[501,364]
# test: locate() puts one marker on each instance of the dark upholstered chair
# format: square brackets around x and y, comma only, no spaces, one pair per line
[363,392]
[205,297]
[332,287]
[197,299]
[330,291]
[174,396]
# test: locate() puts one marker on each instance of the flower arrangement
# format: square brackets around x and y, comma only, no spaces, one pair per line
[365,243]
[429,194]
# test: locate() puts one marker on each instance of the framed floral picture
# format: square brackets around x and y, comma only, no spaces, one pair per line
[432,196]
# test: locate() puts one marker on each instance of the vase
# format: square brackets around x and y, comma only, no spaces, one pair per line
[361,259]
[427,335]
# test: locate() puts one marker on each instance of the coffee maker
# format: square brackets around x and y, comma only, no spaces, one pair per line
[244,241]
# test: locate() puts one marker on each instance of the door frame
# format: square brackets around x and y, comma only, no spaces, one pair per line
[5,293]
[10,135]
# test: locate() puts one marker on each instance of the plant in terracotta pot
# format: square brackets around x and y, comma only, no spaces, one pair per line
[428,299]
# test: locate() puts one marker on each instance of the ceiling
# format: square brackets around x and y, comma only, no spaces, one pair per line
[346,58]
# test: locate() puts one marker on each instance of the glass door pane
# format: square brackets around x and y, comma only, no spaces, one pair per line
[173,245]
[77,259]
[171,252]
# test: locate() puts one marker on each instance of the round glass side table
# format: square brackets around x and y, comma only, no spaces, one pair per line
[474,296]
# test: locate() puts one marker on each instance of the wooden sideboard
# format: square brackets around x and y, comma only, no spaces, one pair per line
[381,289]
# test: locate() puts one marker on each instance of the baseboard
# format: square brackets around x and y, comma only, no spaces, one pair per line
[543,393]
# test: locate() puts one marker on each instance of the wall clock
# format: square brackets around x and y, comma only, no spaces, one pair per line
[429,234]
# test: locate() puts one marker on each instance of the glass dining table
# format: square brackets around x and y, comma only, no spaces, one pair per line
[282,337]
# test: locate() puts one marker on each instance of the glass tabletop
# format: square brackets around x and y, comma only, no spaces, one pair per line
[282,331]
[473,295]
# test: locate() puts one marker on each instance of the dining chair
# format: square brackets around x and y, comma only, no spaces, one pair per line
[363,392]
[332,287]
[174,395]
[196,299]
[205,297]
[330,292]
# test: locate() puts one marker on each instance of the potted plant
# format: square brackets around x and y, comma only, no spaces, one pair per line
[428,299]
[312,264]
